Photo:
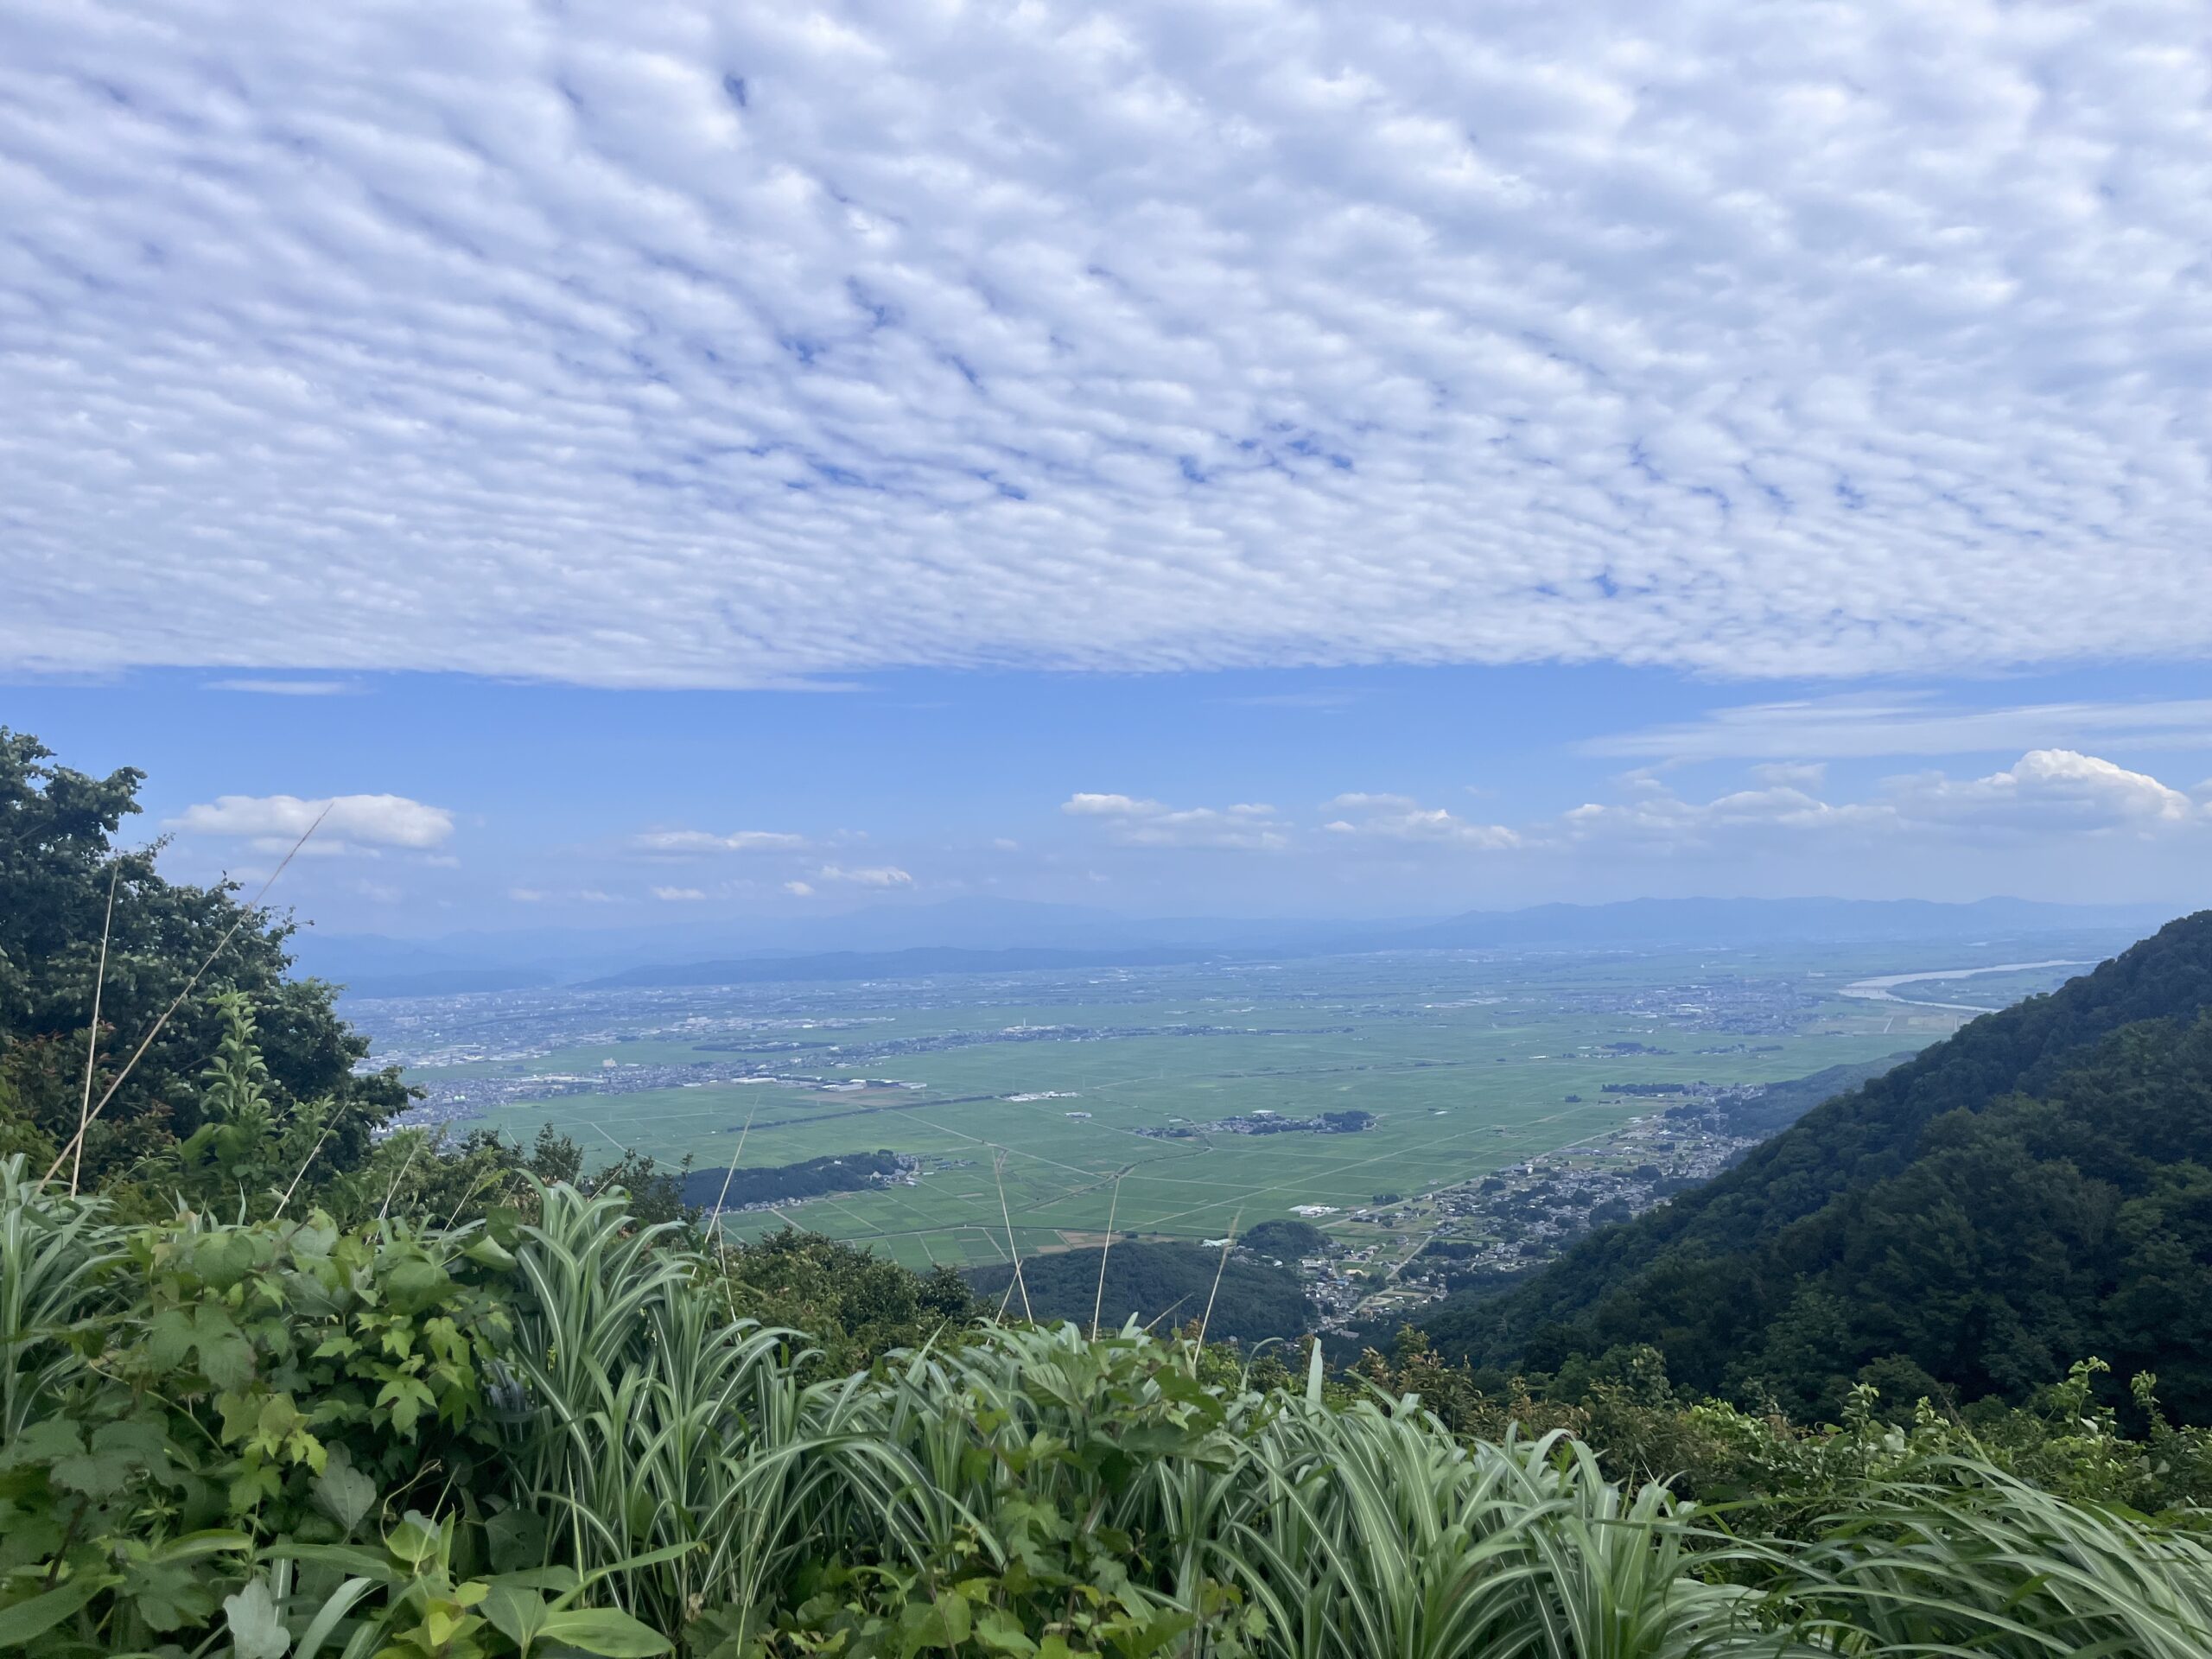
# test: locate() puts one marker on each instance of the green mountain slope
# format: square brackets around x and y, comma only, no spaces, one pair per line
[1165,1284]
[2032,1191]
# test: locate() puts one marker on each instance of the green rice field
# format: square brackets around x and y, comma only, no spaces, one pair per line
[1027,1098]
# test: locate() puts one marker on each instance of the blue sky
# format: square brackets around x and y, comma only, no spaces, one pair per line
[656,458]
[496,806]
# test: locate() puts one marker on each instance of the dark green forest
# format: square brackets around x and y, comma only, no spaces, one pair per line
[1157,1284]
[2035,1189]
[733,1189]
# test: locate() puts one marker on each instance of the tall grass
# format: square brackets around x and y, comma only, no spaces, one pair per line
[1012,1481]
[1364,1531]
[54,1248]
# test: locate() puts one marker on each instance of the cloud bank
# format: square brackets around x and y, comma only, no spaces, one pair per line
[648,343]
[274,822]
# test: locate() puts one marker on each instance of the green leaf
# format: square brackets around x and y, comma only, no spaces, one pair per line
[517,1614]
[486,1252]
[169,1339]
[345,1495]
[256,1626]
[26,1620]
[96,1474]
[326,1620]
[630,1563]
[940,1623]
[168,1595]
[1001,1632]
[605,1631]
[517,1538]
[349,1558]
[225,1357]
[223,1259]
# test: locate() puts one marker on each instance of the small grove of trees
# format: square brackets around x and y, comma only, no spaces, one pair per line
[58,868]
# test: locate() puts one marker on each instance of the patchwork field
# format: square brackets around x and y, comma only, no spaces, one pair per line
[1465,1065]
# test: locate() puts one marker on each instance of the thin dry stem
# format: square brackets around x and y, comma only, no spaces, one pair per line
[139,1053]
[1113,1205]
[304,1165]
[998,1174]
[722,1238]
[1220,1268]
[92,1034]
[391,1192]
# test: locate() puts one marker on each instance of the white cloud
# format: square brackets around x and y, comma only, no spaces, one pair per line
[1005,844]
[1139,822]
[799,889]
[274,823]
[1863,725]
[689,843]
[1791,775]
[680,895]
[881,875]
[561,896]
[2047,793]
[583,344]
[2051,786]
[1654,814]
[287,688]
[1401,817]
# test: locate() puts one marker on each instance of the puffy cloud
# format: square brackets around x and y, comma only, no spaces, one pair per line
[880,875]
[349,821]
[1139,822]
[2050,786]
[680,895]
[660,343]
[675,844]
[1400,817]
[799,889]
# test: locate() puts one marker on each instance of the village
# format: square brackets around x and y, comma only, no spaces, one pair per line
[1400,1251]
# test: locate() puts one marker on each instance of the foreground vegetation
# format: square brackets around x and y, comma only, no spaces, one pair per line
[555,1431]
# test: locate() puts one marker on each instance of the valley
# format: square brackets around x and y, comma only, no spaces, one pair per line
[1035,1106]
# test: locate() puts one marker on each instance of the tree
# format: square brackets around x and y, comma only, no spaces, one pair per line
[59,859]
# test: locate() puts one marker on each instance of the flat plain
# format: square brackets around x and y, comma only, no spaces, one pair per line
[1036,1103]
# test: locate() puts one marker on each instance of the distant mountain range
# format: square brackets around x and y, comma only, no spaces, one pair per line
[992,936]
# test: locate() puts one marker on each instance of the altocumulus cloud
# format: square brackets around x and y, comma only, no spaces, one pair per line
[273,822]
[653,342]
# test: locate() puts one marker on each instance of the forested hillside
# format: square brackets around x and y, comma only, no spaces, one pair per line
[2032,1190]
[1159,1285]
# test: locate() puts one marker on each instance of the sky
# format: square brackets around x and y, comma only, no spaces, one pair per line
[731,462]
